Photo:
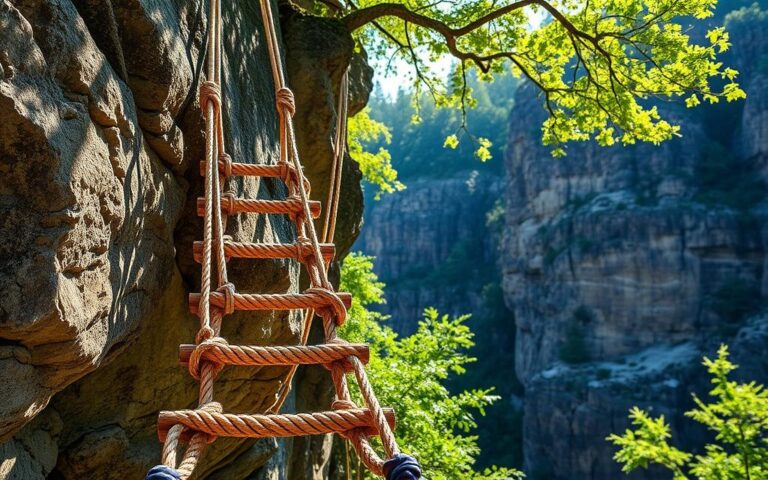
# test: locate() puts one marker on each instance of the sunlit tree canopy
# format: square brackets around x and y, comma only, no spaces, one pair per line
[602,66]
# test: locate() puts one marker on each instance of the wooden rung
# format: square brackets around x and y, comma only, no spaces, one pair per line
[250,170]
[261,426]
[262,250]
[266,301]
[280,356]
[241,205]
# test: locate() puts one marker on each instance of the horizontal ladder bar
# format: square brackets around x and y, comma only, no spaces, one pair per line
[267,301]
[263,250]
[241,205]
[251,170]
[243,355]
[279,425]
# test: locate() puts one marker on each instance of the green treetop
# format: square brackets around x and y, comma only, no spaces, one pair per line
[738,418]
[601,65]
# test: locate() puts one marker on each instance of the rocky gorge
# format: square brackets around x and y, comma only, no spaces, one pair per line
[619,268]
[596,281]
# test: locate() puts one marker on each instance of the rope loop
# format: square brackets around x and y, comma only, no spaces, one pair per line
[210,92]
[345,364]
[339,404]
[225,164]
[204,333]
[286,103]
[334,305]
[305,251]
[228,289]
[228,201]
[214,408]
[196,358]
[291,177]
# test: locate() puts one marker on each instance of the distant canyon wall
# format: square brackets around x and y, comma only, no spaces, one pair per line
[624,266]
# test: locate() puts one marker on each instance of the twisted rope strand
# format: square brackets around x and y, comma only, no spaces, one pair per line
[211,353]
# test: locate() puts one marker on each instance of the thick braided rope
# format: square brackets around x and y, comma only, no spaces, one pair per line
[329,222]
[209,423]
[286,111]
[211,353]
[300,250]
[218,352]
[213,231]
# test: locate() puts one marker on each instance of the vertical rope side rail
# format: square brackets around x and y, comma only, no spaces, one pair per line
[203,425]
[329,221]
[213,231]
[398,467]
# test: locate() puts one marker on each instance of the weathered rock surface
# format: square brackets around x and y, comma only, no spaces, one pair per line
[99,145]
[623,269]
[432,245]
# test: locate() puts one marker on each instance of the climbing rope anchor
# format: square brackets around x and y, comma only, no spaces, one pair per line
[211,353]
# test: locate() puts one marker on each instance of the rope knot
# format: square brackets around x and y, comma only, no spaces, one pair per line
[345,364]
[204,333]
[286,103]
[304,249]
[339,404]
[197,357]
[210,408]
[402,467]
[291,177]
[333,305]
[228,289]
[210,92]
[228,202]
[162,472]
[225,164]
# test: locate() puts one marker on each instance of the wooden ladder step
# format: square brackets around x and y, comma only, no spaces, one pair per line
[262,250]
[251,170]
[266,301]
[278,425]
[244,355]
[241,205]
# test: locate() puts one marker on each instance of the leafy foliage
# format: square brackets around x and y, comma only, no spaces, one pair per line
[419,130]
[376,167]
[500,429]
[738,417]
[597,63]
[410,375]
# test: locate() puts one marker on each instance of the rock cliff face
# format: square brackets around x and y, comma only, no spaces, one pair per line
[432,245]
[624,266]
[99,144]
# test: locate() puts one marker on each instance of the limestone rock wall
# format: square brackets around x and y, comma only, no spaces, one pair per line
[432,245]
[99,143]
[624,267]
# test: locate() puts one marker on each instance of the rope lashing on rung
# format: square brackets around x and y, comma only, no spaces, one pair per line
[194,429]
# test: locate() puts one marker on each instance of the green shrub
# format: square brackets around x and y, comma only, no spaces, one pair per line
[410,374]
[738,417]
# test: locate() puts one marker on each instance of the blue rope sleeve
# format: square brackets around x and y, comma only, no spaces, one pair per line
[161,472]
[402,467]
